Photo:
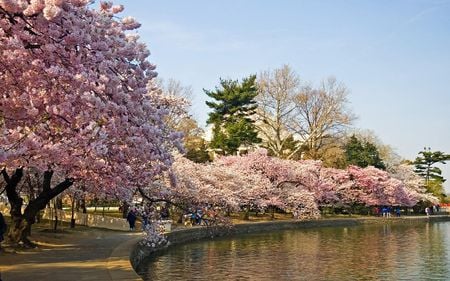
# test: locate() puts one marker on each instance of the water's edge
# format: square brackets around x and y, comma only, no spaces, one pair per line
[185,235]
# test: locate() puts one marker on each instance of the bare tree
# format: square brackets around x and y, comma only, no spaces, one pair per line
[387,153]
[170,90]
[276,106]
[321,116]
[172,87]
[179,118]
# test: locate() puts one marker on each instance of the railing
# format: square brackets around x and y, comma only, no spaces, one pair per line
[87,219]
[80,218]
[90,220]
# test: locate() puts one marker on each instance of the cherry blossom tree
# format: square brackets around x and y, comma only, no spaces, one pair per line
[299,187]
[330,187]
[286,190]
[414,184]
[74,103]
[373,187]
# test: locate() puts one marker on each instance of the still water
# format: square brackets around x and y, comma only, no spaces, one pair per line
[415,251]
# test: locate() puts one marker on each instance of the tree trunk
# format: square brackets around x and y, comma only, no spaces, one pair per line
[72,217]
[21,223]
[95,205]
[55,222]
[58,203]
[246,213]
[83,205]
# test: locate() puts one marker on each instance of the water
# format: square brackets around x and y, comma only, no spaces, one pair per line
[416,251]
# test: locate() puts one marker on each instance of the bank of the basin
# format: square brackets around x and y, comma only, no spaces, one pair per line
[185,235]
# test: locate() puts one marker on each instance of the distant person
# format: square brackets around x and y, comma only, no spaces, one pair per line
[376,211]
[164,213]
[384,211]
[427,211]
[199,216]
[397,212]
[131,218]
[2,229]
[144,220]
[389,211]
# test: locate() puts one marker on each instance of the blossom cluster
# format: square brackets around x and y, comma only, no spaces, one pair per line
[155,236]
[75,98]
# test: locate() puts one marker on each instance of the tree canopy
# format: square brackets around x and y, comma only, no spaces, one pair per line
[425,167]
[232,113]
[425,164]
[362,154]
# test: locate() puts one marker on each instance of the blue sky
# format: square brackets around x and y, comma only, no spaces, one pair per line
[393,55]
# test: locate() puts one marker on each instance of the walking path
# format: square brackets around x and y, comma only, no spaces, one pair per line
[95,254]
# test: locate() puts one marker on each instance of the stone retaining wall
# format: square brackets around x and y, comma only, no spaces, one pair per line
[185,235]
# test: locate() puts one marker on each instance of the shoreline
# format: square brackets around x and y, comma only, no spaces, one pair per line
[185,235]
[101,254]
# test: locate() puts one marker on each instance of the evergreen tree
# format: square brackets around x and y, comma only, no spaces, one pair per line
[424,165]
[233,108]
[362,154]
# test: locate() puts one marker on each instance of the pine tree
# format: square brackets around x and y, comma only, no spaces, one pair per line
[232,113]
[433,175]
[363,154]
[424,164]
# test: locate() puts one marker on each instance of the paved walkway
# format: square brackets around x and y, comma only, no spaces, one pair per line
[99,255]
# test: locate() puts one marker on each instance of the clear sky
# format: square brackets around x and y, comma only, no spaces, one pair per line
[393,55]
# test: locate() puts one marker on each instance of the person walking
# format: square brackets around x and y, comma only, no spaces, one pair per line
[131,218]
[397,211]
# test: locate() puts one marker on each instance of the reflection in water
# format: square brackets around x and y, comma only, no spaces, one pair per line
[417,251]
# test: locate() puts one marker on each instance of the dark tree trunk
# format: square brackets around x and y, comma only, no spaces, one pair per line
[95,205]
[72,216]
[21,223]
[55,221]
[58,203]
[83,205]
[81,202]
[17,219]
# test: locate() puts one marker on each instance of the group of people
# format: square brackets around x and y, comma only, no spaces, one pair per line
[433,210]
[199,215]
[146,215]
[387,211]
[196,216]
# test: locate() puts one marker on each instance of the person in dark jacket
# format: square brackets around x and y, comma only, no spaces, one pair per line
[131,218]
